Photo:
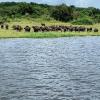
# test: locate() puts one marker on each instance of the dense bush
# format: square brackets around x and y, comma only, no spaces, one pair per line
[62,12]
[84,21]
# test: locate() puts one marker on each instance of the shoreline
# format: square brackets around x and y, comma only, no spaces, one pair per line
[10,34]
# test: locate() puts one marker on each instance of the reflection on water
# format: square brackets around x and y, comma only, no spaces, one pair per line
[50,69]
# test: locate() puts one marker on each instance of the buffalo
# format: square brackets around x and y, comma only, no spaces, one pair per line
[2,26]
[7,26]
[42,24]
[96,30]
[89,29]
[17,28]
[27,29]
[52,28]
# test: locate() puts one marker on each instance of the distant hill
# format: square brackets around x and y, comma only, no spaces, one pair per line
[64,13]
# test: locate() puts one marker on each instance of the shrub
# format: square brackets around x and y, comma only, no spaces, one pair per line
[62,13]
[82,21]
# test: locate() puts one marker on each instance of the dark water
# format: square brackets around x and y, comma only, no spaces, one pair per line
[50,69]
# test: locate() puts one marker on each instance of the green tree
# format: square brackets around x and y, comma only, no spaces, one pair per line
[25,8]
[62,13]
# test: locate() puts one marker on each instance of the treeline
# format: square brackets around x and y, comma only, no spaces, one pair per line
[61,12]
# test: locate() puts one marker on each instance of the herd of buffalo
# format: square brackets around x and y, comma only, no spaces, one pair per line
[44,28]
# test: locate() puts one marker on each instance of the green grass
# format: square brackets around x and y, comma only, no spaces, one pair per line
[14,34]
[23,22]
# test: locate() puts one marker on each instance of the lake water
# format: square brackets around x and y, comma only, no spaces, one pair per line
[50,69]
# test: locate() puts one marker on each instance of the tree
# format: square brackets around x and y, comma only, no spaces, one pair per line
[25,8]
[62,13]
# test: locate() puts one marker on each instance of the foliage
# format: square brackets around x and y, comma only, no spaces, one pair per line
[83,21]
[62,13]
[13,10]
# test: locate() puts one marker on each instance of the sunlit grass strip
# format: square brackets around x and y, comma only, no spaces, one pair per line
[14,34]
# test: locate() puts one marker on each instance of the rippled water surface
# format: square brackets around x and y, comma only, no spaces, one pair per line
[50,69]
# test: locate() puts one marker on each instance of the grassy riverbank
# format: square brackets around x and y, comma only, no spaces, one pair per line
[23,22]
[13,34]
